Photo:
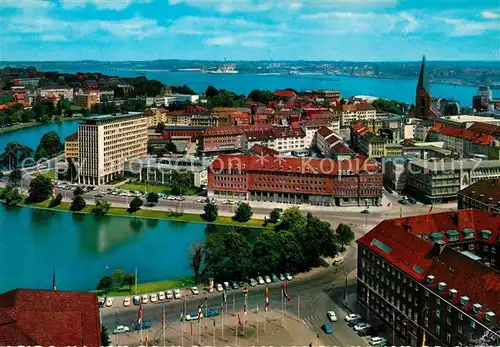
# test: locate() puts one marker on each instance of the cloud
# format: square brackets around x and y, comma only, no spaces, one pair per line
[26,4]
[464,27]
[116,5]
[254,43]
[220,41]
[490,15]
[53,37]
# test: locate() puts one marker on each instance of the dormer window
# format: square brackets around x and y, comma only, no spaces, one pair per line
[452,235]
[489,316]
[476,308]
[485,234]
[453,293]
[430,279]
[464,300]
[441,286]
[468,233]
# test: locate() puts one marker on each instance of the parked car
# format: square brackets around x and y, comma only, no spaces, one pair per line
[109,302]
[338,261]
[145,299]
[282,277]
[193,316]
[101,301]
[154,297]
[121,329]
[351,317]
[137,300]
[126,301]
[161,296]
[234,285]
[327,328]
[145,325]
[226,286]
[377,341]
[99,195]
[240,284]
[412,201]
[195,291]
[288,276]
[361,325]
[170,295]
[331,316]
[274,278]
[219,287]
[253,282]
[267,279]
[212,313]
[366,332]
[403,202]
[177,294]
[260,280]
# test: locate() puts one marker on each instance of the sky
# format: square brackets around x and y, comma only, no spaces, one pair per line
[359,30]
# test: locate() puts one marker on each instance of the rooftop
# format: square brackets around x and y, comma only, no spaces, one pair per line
[485,191]
[455,165]
[262,150]
[107,117]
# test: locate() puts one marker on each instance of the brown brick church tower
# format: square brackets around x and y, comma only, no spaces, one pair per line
[423,95]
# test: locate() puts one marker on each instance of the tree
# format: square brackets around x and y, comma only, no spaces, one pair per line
[14,153]
[181,181]
[105,340]
[105,284]
[263,96]
[184,89]
[129,281]
[211,212]
[266,252]
[101,208]
[51,143]
[78,203]
[243,212]
[292,220]
[40,189]
[196,259]
[15,177]
[56,201]
[78,191]
[12,197]
[171,147]
[152,198]
[344,234]
[135,204]
[118,277]
[275,215]
[211,91]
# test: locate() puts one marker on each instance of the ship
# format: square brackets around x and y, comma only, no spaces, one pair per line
[224,70]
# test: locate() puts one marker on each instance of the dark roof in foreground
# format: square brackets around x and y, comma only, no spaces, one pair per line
[49,318]
[486,191]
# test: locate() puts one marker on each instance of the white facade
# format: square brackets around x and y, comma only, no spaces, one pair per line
[67,93]
[181,98]
[281,144]
[350,116]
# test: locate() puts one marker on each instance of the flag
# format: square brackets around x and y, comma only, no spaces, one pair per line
[191,327]
[139,315]
[54,279]
[239,320]
[163,316]
[286,295]
[182,316]
[200,312]
[430,210]
[286,286]
[423,340]
[245,308]
[266,303]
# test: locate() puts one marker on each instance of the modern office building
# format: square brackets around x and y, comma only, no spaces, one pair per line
[483,195]
[357,112]
[281,139]
[433,280]
[324,182]
[106,142]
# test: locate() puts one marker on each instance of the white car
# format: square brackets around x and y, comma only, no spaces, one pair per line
[109,302]
[161,296]
[200,200]
[331,316]
[195,290]
[177,294]
[121,329]
[288,276]
[145,299]
[267,279]
[170,295]
[193,316]
[351,317]
[338,261]
[361,326]
[226,285]
[126,302]
[219,287]
[154,297]
[377,341]
[260,280]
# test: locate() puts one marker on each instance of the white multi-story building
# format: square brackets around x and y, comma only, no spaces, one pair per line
[106,142]
[283,140]
[66,92]
[362,112]
[311,126]
[486,92]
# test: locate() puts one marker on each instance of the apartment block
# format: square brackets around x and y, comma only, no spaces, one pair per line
[156,116]
[430,279]
[359,112]
[86,100]
[66,92]
[483,195]
[281,139]
[71,148]
[330,144]
[107,142]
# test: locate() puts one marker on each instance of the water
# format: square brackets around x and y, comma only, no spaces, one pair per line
[83,248]
[31,136]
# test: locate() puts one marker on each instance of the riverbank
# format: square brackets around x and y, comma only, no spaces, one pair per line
[34,124]
[150,287]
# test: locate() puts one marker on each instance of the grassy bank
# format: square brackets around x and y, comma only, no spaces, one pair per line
[151,287]
[155,188]
[33,124]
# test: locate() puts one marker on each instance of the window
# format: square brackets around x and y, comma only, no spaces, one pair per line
[460,316]
[448,308]
[448,320]
[426,321]
[473,324]
[448,337]
[438,301]
[438,330]
[459,343]
[459,328]
[427,293]
[438,313]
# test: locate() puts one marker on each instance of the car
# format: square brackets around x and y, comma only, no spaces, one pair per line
[267,279]
[195,291]
[200,200]
[126,301]
[101,301]
[403,202]
[365,212]
[161,296]
[226,286]
[288,276]
[282,277]
[327,328]
[193,316]
[154,297]
[331,316]
[219,287]
[352,316]
[361,325]
[377,341]
[145,325]
[99,195]
[121,329]
[169,294]
[137,300]
[240,284]
[145,299]
[412,201]
[260,280]
[274,278]
[212,313]
[366,332]
[253,282]
[234,285]
[338,261]
[109,302]
[177,294]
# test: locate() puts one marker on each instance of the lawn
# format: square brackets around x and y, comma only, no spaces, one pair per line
[155,188]
[144,288]
[49,174]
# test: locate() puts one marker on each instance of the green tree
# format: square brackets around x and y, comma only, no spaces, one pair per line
[211,212]
[344,235]
[211,91]
[51,143]
[135,204]
[152,198]
[78,203]
[263,96]
[12,197]
[1,175]
[105,340]
[118,277]
[56,201]
[129,281]
[266,252]
[78,191]
[181,181]
[196,260]
[40,189]
[291,258]
[292,220]
[184,89]
[275,215]
[101,208]
[14,153]
[243,212]
[171,147]
[15,177]
[105,284]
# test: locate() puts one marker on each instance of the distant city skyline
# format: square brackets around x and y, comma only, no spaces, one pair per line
[332,30]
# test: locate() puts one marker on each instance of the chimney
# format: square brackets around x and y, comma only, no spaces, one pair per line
[453,293]
[430,279]
[441,286]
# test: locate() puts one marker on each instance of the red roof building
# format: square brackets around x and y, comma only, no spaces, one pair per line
[262,151]
[49,318]
[285,94]
[432,274]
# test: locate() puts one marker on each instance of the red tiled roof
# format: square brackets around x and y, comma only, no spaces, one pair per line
[273,133]
[263,150]
[234,129]
[362,106]
[41,317]
[285,93]
[324,132]
[72,137]
[477,138]
[341,148]
[359,128]
[314,122]
[490,129]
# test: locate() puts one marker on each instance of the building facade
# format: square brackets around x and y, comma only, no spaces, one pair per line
[86,100]
[358,112]
[71,147]
[483,195]
[106,142]
[66,92]
[281,139]
[322,182]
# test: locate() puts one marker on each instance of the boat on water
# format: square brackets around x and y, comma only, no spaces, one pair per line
[224,70]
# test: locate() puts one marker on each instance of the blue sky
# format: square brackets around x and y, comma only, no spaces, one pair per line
[361,30]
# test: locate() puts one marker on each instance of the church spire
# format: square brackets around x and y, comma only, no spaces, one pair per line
[423,78]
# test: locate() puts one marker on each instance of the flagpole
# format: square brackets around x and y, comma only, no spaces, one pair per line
[206,311]
[298,306]
[245,313]
[135,281]
[164,324]
[214,330]
[192,335]
[237,323]
[282,307]
[233,301]
[257,324]
[199,331]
